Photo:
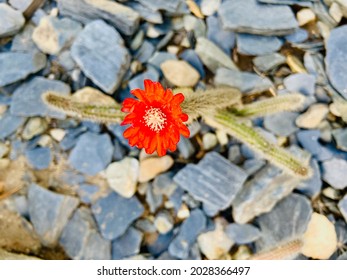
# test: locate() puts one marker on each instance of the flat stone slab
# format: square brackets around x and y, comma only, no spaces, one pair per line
[250,16]
[100,52]
[11,20]
[127,245]
[27,98]
[215,181]
[249,44]
[16,66]
[114,214]
[336,59]
[9,124]
[123,18]
[81,239]
[49,212]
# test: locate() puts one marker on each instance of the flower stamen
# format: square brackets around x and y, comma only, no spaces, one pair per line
[155,119]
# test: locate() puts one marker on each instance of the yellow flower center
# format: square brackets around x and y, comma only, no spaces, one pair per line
[155,119]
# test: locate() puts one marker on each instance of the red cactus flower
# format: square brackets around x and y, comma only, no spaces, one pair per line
[155,118]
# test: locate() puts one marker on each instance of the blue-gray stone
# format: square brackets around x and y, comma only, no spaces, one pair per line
[195,25]
[314,63]
[145,225]
[253,165]
[23,42]
[246,82]
[49,212]
[92,126]
[137,82]
[160,244]
[16,66]
[281,124]
[309,140]
[39,158]
[127,245]
[224,39]
[343,207]
[303,83]
[71,137]
[303,3]
[336,59]
[81,240]
[340,136]
[66,61]
[100,52]
[249,44]
[21,204]
[160,57]
[265,63]
[169,6]
[11,20]
[188,232]
[288,220]
[193,59]
[9,124]
[164,184]
[144,53]
[20,5]
[334,172]
[86,192]
[185,147]
[260,194]
[123,18]
[154,200]
[176,198]
[114,214]
[242,234]
[27,98]
[300,35]
[250,16]
[214,180]
[341,231]
[313,185]
[146,13]
[92,153]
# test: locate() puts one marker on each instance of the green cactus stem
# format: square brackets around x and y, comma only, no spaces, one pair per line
[281,103]
[248,135]
[98,113]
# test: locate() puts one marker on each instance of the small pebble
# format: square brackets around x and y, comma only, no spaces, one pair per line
[305,16]
[313,116]
[343,207]
[334,172]
[151,167]
[163,222]
[180,73]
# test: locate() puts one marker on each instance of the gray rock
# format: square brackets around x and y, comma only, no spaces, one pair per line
[242,234]
[145,51]
[251,166]
[123,18]
[146,13]
[249,44]
[265,63]
[303,83]
[137,82]
[334,172]
[312,186]
[27,101]
[16,66]
[164,184]
[246,82]
[9,124]
[209,7]
[159,57]
[163,222]
[160,244]
[300,35]
[86,192]
[39,158]
[114,214]
[127,245]
[92,153]
[281,124]
[343,207]
[187,235]
[35,126]
[250,16]
[81,240]
[212,56]
[99,51]
[195,25]
[260,194]
[193,59]
[154,200]
[11,21]
[340,136]
[23,42]
[214,181]
[336,59]
[54,34]
[309,139]
[185,147]
[288,220]
[49,212]
[303,3]
[169,6]
[20,5]
[224,39]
